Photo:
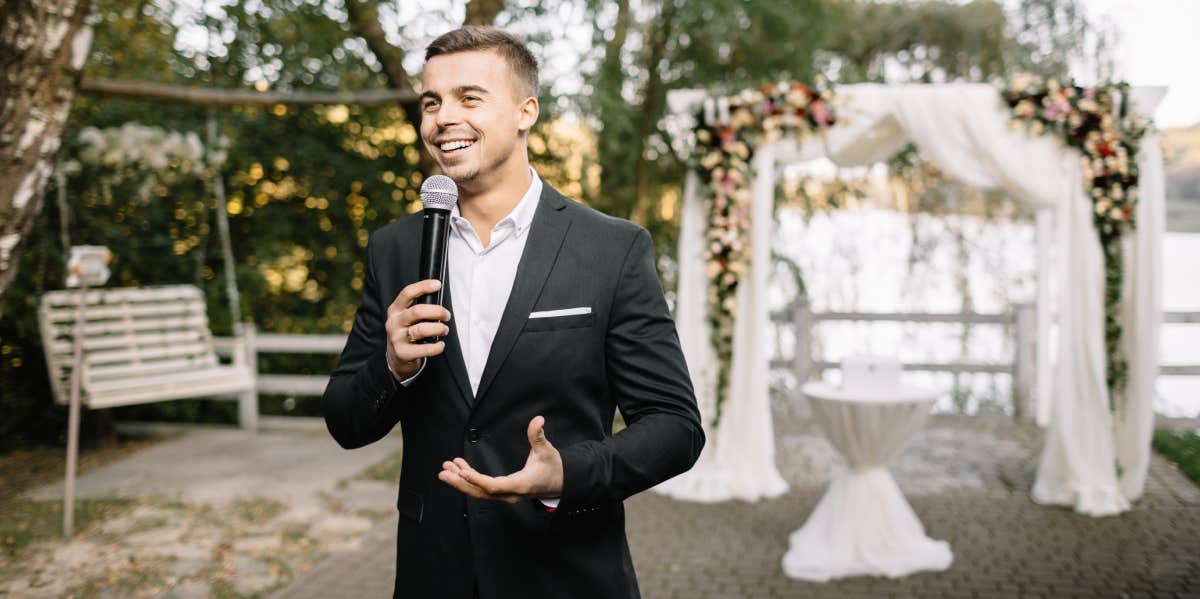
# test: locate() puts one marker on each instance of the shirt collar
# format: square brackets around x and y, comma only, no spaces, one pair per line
[522,214]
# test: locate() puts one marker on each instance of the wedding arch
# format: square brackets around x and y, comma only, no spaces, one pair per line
[1085,160]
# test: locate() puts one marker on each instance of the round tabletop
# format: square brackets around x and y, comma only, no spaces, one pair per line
[828,392]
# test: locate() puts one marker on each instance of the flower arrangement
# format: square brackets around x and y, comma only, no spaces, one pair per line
[727,131]
[1097,122]
[148,155]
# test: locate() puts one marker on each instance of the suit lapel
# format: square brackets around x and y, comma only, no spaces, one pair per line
[453,350]
[546,234]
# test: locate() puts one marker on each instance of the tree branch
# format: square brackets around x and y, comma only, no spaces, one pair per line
[364,22]
[483,12]
[198,96]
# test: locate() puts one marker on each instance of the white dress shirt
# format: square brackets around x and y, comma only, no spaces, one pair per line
[482,279]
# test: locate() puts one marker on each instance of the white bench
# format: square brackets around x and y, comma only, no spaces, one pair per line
[140,345]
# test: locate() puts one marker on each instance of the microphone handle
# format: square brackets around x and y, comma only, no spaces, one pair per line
[435,233]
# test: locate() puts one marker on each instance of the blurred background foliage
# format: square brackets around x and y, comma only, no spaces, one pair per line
[306,185]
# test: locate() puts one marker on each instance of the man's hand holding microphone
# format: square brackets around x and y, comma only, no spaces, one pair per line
[415,331]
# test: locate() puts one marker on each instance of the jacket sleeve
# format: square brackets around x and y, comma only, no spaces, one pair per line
[651,385]
[362,401]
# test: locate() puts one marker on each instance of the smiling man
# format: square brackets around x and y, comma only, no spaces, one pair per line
[512,481]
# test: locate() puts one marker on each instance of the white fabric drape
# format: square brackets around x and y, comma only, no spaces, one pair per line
[738,462]
[964,130]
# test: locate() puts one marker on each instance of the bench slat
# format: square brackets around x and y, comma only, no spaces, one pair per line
[147,354]
[197,322]
[156,337]
[125,311]
[95,376]
[68,297]
[221,380]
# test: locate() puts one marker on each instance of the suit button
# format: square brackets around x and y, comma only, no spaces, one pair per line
[473,435]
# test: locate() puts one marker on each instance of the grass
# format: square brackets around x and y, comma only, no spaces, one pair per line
[23,521]
[1181,448]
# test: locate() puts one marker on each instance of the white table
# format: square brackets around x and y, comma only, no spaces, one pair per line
[863,525]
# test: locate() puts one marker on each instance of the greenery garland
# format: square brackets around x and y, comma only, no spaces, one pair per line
[1096,121]
[727,131]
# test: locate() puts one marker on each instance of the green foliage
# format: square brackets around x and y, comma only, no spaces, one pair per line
[1181,448]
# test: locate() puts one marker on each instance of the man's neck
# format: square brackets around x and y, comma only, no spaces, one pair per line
[485,206]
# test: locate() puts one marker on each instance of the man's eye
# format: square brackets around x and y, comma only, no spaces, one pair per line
[471,99]
[429,106]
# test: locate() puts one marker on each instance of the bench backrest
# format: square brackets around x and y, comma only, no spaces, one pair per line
[128,332]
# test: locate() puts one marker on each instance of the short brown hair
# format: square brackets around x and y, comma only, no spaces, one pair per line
[510,47]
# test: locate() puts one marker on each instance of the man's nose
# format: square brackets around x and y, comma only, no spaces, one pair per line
[447,114]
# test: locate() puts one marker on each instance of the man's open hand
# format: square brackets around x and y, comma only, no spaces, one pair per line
[542,476]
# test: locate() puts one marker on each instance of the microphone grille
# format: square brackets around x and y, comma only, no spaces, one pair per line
[439,191]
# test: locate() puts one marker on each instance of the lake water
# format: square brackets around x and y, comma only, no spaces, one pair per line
[883,261]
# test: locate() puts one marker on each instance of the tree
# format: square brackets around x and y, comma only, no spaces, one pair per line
[43,46]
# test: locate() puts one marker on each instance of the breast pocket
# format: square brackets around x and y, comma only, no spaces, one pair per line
[558,321]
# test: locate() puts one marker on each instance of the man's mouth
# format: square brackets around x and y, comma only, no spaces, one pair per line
[457,145]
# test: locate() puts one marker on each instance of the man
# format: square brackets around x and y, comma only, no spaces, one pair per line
[512,480]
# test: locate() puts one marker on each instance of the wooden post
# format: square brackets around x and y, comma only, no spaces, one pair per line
[1024,321]
[802,353]
[248,400]
[73,412]
[218,189]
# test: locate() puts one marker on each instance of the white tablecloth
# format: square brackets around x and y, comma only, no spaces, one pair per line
[863,525]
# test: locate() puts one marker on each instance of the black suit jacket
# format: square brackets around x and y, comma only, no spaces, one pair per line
[574,370]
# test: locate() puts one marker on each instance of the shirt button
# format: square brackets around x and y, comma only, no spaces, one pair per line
[473,435]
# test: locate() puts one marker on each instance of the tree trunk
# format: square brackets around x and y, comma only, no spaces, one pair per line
[617,166]
[43,46]
[653,97]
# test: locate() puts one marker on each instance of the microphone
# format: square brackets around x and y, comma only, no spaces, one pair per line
[439,195]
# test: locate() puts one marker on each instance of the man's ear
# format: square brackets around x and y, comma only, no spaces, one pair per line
[527,114]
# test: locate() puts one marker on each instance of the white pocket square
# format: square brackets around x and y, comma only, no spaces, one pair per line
[563,312]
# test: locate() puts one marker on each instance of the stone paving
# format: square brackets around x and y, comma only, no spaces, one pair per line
[966,477]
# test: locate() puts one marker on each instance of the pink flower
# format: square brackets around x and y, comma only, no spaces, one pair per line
[820,114]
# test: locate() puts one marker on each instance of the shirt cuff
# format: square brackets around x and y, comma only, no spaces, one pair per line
[408,381]
[551,503]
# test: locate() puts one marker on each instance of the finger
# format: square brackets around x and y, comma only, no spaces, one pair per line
[410,293]
[422,313]
[422,330]
[537,432]
[461,485]
[409,352]
[498,487]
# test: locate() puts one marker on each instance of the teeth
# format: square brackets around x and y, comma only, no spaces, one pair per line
[454,145]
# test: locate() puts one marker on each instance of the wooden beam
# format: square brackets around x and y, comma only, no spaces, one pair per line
[201,96]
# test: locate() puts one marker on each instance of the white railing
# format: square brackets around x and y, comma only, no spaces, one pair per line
[1020,320]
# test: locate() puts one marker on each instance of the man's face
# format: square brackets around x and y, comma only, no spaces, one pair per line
[473,115]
